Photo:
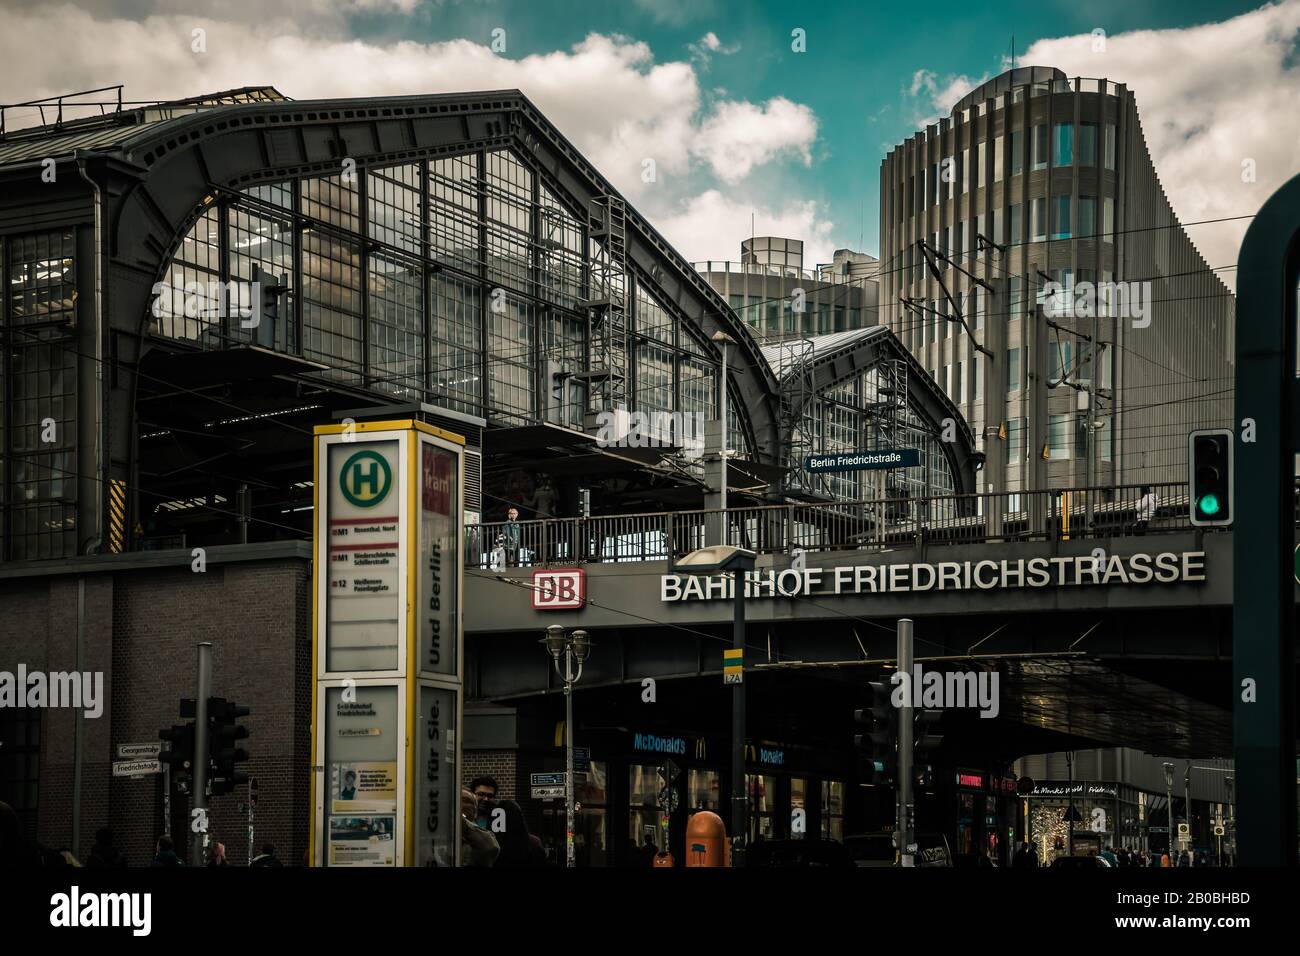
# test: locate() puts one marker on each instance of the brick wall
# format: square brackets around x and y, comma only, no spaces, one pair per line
[501,765]
[141,629]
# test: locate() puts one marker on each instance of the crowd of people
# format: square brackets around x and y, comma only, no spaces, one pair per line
[494,832]
[1027,856]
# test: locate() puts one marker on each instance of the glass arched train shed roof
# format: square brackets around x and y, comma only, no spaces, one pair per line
[454,250]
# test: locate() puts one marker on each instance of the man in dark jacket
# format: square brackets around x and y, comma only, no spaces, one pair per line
[267,857]
[1025,856]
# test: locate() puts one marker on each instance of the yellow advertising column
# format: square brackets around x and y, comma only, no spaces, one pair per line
[387,645]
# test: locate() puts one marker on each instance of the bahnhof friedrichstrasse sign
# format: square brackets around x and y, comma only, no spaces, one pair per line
[1165,567]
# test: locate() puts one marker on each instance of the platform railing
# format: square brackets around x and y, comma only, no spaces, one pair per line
[868,525]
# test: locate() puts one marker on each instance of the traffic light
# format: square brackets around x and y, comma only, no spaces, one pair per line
[925,737]
[267,289]
[878,740]
[1209,459]
[224,730]
[179,754]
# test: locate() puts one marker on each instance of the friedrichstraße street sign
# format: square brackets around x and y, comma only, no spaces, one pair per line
[136,768]
[864,460]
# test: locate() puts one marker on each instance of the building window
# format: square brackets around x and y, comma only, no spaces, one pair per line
[977,365]
[396,290]
[1013,369]
[956,393]
[647,824]
[456,363]
[1016,228]
[1061,217]
[1108,219]
[1037,219]
[1108,145]
[1059,367]
[1017,152]
[393,207]
[999,222]
[1063,144]
[1039,144]
[762,806]
[702,791]
[832,819]
[1060,430]
[1087,144]
[1015,292]
[1088,217]
[997,159]
[1015,440]
[331,302]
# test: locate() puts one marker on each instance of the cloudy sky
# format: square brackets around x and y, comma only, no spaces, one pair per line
[737,122]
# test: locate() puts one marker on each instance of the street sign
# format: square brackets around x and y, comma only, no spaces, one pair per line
[136,768]
[549,779]
[139,751]
[547,793]
[733,665]
[864,460]
[1218,831]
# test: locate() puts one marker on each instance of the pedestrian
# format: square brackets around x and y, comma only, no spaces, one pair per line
[1108,854]
[479,846]
[511,532]
[267,857]
[217,855]
[103,854]
[1146,508]
[516,842]
[484,789]
[166,855]
[1026,857]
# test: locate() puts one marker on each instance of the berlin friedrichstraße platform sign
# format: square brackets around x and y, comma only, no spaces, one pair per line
[871,460]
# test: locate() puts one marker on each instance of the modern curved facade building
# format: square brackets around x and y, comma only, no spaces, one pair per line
[448,251]
[1038,178]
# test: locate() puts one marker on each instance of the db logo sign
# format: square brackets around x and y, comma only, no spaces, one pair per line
[559,589]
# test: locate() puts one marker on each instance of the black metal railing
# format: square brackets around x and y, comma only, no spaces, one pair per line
[1054,514]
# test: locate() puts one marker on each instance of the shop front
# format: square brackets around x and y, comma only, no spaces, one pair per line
[639,789]
[1090,813]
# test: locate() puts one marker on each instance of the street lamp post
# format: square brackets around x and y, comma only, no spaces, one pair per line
[571,648]
[1228,782]
[1187,808]
[737,561]
[1169,795]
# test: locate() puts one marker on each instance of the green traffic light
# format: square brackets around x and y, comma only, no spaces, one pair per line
[1209,504]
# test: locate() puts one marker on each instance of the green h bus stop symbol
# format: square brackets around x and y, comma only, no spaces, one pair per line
[365,479]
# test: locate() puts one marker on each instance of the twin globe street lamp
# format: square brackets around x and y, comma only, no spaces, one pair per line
[573,647]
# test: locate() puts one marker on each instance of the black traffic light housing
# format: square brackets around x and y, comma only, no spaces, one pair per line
[179,753]
[878,739]
[1210,477]
[224,730]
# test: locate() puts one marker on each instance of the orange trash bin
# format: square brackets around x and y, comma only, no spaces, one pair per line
[706,840]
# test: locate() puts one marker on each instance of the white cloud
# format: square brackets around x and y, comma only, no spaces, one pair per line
[1210,97]
[712,226]
[740,135]
[607,93]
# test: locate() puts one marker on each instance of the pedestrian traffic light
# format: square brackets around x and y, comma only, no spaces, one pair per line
[877,741]
[1209,459]
[224,730]
[179,754]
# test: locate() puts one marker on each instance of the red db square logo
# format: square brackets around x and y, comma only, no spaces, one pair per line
[559,589]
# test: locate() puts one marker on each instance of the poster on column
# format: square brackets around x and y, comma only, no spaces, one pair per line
[366,559]
[437,548]
[361,754]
